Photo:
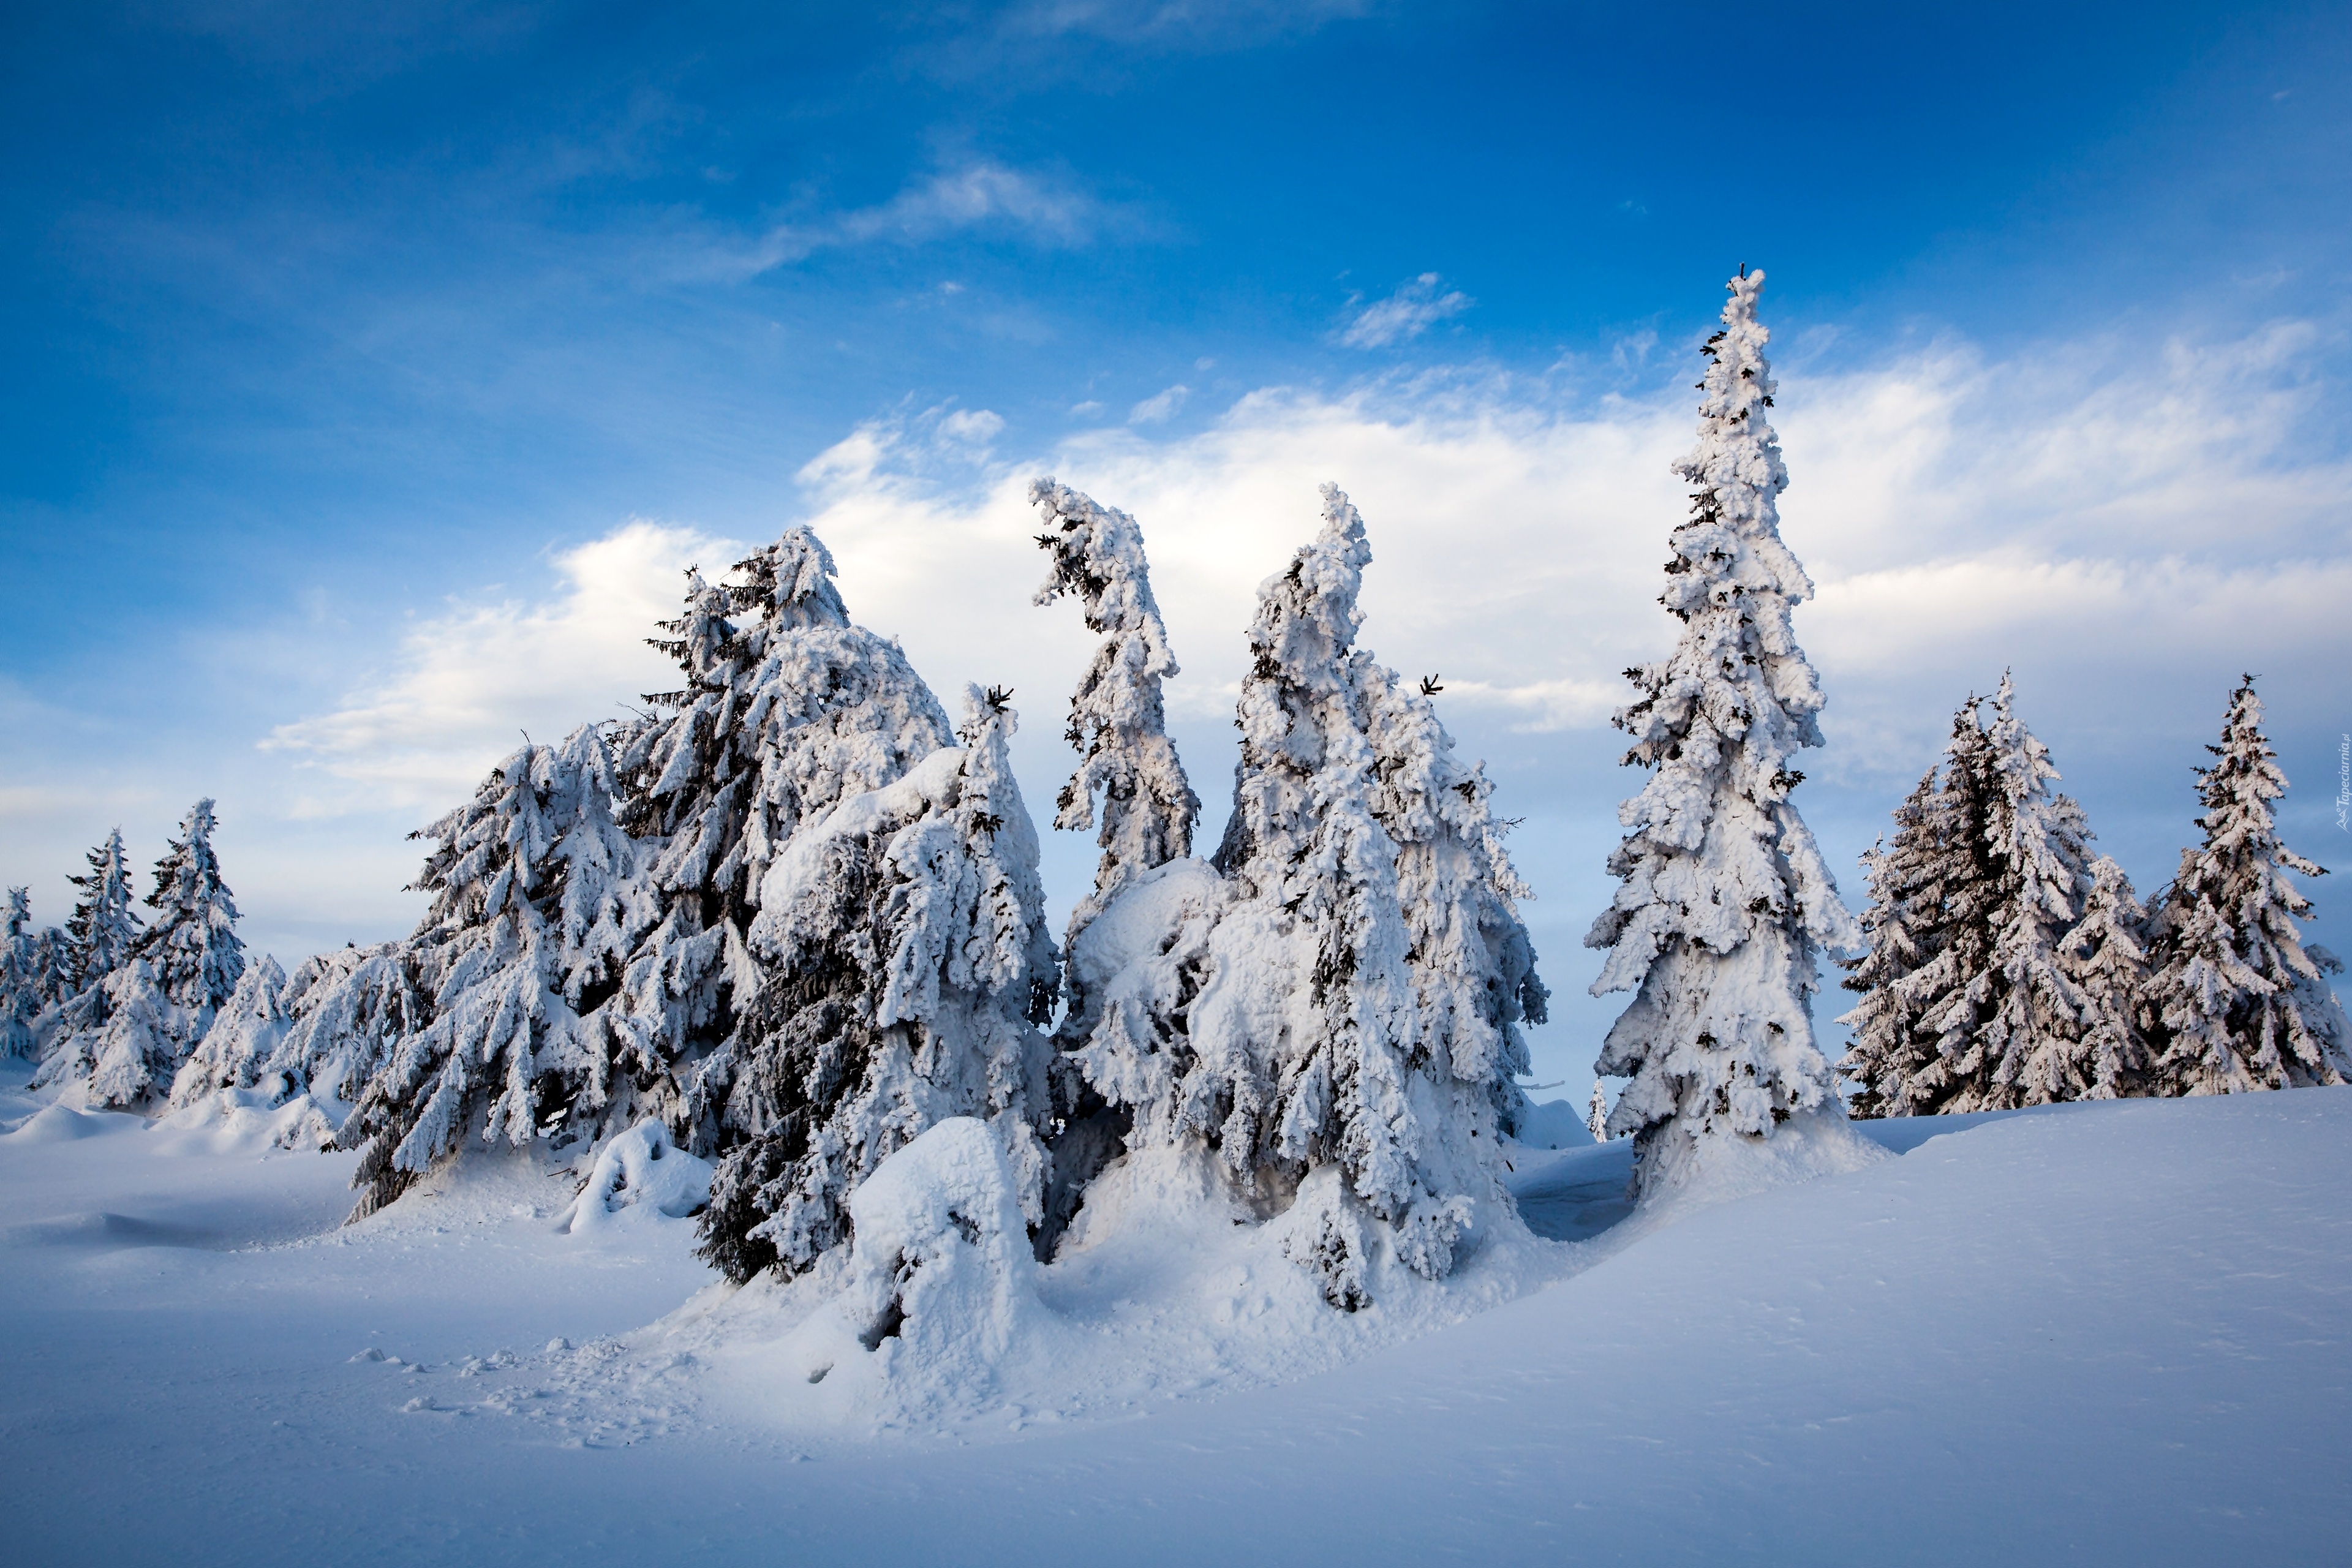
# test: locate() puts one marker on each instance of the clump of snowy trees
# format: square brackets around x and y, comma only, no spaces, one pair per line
[789,920]
[793,915]
[111,1000]
[2007,966]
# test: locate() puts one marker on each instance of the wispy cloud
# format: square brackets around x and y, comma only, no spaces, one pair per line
[1407,313]
[1159,406]
[1040,209]
[1168,26]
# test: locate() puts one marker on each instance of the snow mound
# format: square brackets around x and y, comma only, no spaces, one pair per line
[640,1177]
[1808,1145]
[941,1284]
[1555,1124]
[57,1123]
[232,1120]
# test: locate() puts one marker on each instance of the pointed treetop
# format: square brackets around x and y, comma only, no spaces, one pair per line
[790,582]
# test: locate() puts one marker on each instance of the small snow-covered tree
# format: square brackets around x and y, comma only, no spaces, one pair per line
[2028,1049]
[904,939]
[99,939]
[1472,965]
[2243,1003]
[134,1054]
[347,1010]
[1596,1113]
[103,929]
[1901,927]
[191,945]
[2105,956]
[244,1035]
[1725,902]
[22,983]
[1118,723]
[534,908]
[786,709]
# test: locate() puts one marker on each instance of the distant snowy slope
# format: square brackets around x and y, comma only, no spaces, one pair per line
[2117,1332]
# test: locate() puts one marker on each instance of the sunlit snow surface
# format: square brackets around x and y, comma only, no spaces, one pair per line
[2104,1333]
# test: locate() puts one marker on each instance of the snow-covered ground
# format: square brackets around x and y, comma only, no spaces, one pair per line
[2117,1332]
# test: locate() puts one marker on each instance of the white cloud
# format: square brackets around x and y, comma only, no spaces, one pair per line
[468,682]
[1407,313]
[2110,526]
[2128,529]
[1159,406]
[968,429]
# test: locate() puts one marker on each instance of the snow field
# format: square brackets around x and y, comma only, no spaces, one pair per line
[2105,1332]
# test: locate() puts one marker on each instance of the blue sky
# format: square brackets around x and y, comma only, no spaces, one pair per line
[367,374]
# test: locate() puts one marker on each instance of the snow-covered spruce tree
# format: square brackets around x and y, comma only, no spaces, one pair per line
[1901,927]
[1726,902]
[2106,958]
[191,945]
[907,961]
[131,1058]
[1131,1041]
[1472,965]
[2028,1049]
[1329,1054]
[103,927]
[2243,1003]
[1596,1113]
[346,1011]
[22,983]
[535,906]
[1920,1016]
[786,709]
[245,1034]
[99,938]
[1118,722]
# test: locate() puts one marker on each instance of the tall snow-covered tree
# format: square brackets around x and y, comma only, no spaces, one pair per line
[21,979]
[786,709]
[903,938]
[1147,808]
[191,945]
[534,910]
[1725,902]
[1118,723]
[2105,956]
[103,929]
[2243,1003]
